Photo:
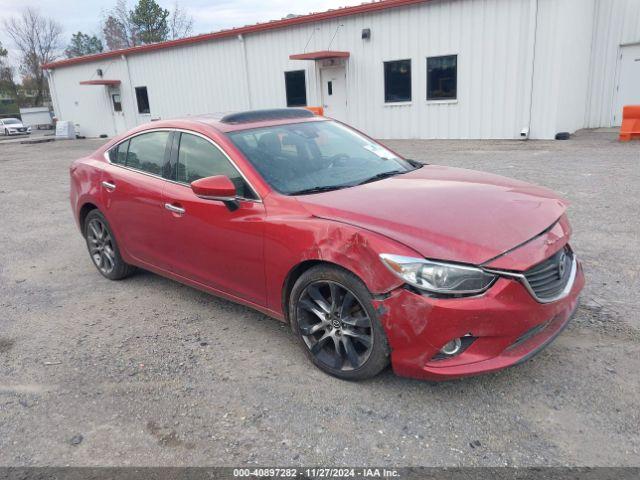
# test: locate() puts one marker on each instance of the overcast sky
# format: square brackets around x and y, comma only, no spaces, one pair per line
[209,15]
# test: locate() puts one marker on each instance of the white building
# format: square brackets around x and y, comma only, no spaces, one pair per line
[393,68]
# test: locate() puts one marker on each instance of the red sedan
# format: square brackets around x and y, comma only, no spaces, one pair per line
[369,257]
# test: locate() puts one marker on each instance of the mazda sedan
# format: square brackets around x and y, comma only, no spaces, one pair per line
[371,258]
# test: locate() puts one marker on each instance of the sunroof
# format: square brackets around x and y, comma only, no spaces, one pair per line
[269,114]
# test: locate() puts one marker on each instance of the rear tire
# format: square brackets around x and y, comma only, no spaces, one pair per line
[103,248]
[332,314]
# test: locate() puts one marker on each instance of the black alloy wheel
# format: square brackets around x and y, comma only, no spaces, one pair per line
[103,248]
[338,326]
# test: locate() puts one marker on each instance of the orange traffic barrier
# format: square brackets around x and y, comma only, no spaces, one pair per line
[630,123]
[316,110]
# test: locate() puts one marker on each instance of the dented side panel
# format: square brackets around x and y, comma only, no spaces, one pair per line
[291,240]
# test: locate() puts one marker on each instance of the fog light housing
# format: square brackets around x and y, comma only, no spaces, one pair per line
[452,348]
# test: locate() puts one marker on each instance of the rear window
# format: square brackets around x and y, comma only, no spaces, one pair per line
[118,154]
[147,152]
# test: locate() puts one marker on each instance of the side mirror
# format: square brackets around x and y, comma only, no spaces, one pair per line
[216,188]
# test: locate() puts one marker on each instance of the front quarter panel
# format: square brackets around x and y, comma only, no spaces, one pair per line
[293,239]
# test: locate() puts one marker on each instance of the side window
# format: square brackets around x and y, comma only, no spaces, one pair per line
[198,158]
[442,77]
[147,152]
[397,81]
[296,88]
[142,98]
[118,154]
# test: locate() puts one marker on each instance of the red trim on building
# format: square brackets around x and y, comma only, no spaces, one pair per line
[259,27]
[110,83]
[319,55]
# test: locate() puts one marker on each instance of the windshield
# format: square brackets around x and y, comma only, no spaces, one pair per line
[11,121]
[310,157]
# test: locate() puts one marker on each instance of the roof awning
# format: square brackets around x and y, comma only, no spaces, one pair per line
[321,55]
[109,83]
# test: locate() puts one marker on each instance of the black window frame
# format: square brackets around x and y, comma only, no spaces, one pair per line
[170,163]
[142,102]
[393,97]
[430,96]
[287,88]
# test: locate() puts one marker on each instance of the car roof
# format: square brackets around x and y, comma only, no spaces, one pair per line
[234,121]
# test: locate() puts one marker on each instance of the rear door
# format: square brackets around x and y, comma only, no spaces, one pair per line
[628,86]
[211,244]
[132,186]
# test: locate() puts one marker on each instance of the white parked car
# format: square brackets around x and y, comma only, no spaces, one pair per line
[13,126]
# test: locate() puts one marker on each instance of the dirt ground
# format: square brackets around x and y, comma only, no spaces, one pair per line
[149,372]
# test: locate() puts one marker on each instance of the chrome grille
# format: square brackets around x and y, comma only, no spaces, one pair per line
[548,279]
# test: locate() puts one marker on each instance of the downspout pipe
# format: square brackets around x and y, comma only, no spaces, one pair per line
[132,92]
[533,37]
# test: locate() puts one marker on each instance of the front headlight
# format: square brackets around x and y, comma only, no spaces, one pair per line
[438,277]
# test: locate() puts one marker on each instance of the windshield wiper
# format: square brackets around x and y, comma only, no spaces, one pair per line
[380,176]
[325,188]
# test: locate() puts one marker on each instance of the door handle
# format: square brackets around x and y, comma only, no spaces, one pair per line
[174,208]
[109,186]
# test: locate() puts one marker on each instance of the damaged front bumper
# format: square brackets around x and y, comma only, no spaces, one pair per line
[503,327]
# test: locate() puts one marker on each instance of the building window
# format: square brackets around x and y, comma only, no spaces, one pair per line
[397,81]
[442,78]
[296,88]
[330,87]
[117,103]
[143,100]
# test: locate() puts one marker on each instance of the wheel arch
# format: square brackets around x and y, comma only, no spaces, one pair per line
[83,212]
[297,271]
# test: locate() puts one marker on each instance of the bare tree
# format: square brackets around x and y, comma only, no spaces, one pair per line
[118,29]
[37,38]
[180,23]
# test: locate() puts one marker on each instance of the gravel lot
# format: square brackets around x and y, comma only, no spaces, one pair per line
[149,372]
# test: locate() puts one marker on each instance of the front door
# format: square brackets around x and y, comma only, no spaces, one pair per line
[119,123]
[628,87]
[334,93]
[211,244]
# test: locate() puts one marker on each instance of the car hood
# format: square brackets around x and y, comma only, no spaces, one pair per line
[445,213]
[15,125]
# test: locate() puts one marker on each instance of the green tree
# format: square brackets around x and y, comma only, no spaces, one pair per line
[150,20]
[7,84]
[83,44]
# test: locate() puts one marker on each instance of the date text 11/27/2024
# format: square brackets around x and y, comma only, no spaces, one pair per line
[317,472]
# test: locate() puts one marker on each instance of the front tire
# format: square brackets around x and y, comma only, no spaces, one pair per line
[103,248]
[332,314]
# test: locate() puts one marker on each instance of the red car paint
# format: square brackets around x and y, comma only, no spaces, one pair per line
[249,254]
